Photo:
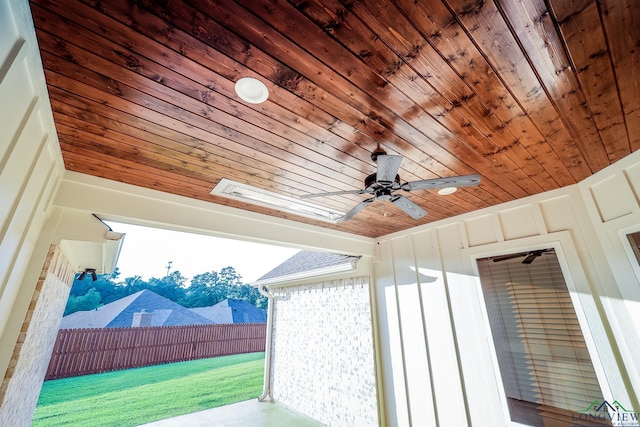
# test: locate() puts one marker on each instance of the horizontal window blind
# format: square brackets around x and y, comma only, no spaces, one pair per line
[541,351]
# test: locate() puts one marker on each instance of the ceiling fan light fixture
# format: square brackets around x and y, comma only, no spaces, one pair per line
[251,90]
[447,190]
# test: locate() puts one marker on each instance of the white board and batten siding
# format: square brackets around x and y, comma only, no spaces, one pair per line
[437,361]
[30,166]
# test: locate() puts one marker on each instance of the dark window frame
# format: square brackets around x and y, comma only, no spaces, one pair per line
[523,410]
[633,239]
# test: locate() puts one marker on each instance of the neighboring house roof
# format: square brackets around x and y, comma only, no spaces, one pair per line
[309,262]
[119,313]
[233,311]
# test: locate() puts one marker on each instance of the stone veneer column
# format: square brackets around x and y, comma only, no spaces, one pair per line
[23,380]
[323,355]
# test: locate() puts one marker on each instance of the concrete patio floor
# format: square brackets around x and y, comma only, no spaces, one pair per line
[250,413]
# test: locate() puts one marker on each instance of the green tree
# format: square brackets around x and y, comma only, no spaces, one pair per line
[204,290]
[170,287]
[210,288]
[134,284]
[89,301]
[88,294]
[80,287]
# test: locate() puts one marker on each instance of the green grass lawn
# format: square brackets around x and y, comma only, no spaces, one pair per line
[137,396]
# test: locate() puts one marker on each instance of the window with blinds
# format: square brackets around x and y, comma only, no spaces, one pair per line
[634,240]
[543,358]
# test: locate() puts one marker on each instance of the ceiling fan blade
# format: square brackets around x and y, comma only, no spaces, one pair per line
[510,256]
[332,193]
[388,167]
[363,204]
[529,257]
[534,254]
[410,208]
[456,181]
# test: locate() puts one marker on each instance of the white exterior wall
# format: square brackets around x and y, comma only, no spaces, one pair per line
[322,355]
[30,170]
[437,359]
[28,367]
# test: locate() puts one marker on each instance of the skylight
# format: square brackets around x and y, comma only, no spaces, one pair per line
[257,196]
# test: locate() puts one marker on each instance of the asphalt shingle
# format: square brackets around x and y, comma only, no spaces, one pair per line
[305,261]
[233,311]
[119,313]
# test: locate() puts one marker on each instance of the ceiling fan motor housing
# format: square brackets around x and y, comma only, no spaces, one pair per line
[372,185]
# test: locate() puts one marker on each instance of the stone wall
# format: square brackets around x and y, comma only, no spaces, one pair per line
[23,380]
[323,358]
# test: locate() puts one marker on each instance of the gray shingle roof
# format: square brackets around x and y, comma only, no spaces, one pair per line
[306,261]
[119,313]
[233,311]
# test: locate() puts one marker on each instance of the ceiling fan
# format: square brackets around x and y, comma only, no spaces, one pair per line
[382,185]
[529,257]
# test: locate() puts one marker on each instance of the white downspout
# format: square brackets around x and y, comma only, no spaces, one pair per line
[266,394]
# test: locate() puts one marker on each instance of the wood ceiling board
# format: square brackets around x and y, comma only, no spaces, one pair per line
[530,98]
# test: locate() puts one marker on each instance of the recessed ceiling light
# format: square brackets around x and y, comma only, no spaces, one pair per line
[258,196]
[447,190]
[252,90]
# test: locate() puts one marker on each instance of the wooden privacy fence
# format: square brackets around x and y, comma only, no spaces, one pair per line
[90,351]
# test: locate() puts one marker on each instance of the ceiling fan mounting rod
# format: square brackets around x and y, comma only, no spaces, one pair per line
[379,151]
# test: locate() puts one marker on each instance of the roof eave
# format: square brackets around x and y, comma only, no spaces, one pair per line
[351,265]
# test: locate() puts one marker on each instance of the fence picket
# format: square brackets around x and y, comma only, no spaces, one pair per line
[90,351]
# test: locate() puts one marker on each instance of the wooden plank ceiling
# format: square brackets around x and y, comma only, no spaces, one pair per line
[532,95]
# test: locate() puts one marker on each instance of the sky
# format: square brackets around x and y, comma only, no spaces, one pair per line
[146,252]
